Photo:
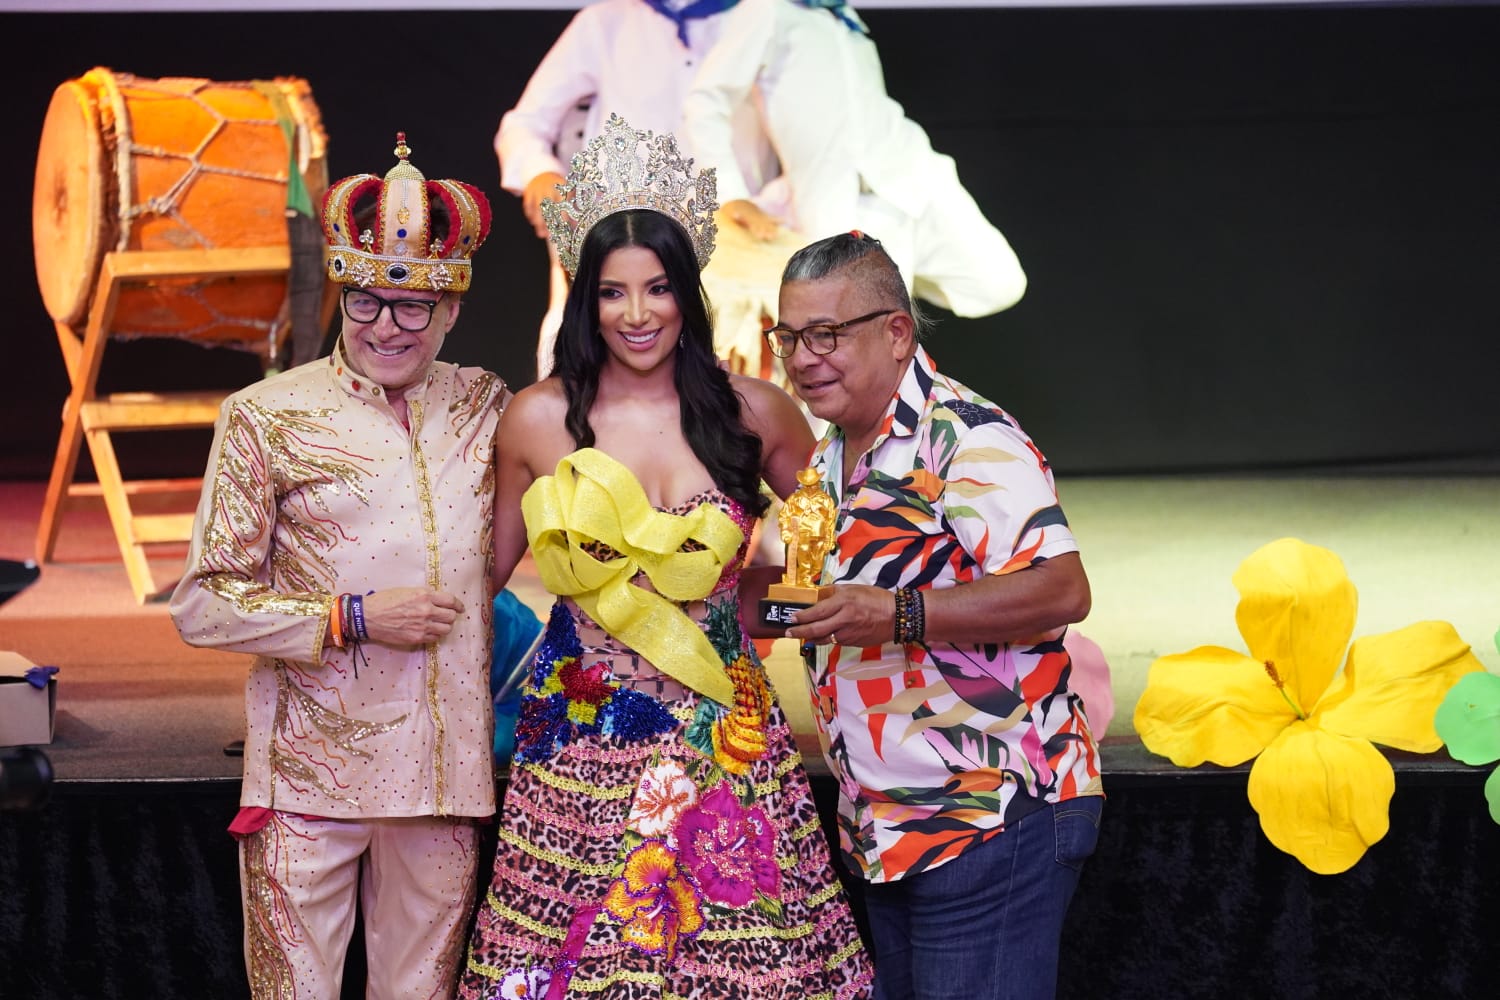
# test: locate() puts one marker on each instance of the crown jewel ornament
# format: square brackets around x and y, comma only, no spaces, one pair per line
[399,247]
[623,168]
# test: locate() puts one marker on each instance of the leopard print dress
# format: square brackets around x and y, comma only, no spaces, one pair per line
[633,861]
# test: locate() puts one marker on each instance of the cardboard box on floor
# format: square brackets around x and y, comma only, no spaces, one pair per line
[26,712]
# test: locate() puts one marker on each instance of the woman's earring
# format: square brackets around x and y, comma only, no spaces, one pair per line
[681,338]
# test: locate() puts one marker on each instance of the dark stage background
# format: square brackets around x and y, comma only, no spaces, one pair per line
[1255,237]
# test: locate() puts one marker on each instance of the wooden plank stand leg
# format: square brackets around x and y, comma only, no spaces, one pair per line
[90,418]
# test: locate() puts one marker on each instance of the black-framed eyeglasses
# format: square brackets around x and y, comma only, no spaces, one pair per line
[411,315]
[820,338]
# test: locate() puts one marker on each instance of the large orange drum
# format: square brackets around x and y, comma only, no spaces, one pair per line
[128,163]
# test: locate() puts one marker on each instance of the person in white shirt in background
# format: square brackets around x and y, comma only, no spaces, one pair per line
[850,157]
[634,58]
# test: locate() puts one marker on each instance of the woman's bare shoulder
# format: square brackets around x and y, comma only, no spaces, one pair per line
[534,426]
[542,400]
[764,402]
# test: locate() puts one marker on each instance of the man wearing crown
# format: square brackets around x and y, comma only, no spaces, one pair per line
[343,538]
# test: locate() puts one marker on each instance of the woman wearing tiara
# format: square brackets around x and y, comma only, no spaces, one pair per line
[658,836]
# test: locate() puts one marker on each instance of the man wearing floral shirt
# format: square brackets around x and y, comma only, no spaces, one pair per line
[970,792]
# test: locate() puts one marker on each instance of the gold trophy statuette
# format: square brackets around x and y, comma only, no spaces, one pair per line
[808,518]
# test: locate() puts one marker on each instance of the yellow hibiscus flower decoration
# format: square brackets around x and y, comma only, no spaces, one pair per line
[1322,791]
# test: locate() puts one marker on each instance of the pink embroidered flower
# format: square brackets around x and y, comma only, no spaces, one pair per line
[729,850]
[654,900]
[663,793]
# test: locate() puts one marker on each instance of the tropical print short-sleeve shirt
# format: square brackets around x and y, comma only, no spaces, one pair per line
[938,747]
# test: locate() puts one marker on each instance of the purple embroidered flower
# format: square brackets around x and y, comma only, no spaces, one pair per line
[729,850]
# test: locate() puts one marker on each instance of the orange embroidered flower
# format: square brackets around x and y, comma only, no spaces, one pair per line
[654,900]
[739,738]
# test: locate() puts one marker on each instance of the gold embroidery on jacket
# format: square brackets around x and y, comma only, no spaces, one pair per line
[483,394]
[292,459]
[435,581]
[307,735]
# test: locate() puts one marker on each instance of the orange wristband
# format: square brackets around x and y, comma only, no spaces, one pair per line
[336,623]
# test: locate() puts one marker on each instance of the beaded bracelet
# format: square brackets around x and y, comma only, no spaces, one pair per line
[911,616]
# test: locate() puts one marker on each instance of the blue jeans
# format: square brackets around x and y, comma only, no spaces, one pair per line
[987,925]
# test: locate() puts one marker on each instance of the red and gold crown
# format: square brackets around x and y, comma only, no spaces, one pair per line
[404,231]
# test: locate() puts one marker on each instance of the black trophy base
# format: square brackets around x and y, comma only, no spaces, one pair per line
[775,612]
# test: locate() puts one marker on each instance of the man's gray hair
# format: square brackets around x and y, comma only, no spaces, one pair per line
[872,267]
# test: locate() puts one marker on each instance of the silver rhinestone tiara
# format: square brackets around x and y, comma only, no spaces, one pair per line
[623,168]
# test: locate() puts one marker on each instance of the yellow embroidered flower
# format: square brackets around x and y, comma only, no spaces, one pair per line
[739,737]
[1322,791]
[654,900]
[552,683]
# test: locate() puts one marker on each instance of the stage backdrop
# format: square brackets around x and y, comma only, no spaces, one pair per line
[1256,236]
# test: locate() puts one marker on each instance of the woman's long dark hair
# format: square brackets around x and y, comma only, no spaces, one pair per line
[710,409]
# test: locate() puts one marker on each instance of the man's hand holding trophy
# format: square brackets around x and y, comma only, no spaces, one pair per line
[808,519]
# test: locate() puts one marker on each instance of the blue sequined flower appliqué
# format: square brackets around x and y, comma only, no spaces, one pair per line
[566,699]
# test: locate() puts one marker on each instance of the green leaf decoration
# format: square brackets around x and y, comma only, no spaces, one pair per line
[1468,720]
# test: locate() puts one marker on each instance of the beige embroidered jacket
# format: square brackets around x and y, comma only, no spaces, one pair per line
[314,488]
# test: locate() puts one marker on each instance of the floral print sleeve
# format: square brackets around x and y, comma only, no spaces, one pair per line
[999,499]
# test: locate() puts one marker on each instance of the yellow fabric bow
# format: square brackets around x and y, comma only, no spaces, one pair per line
[593,498]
